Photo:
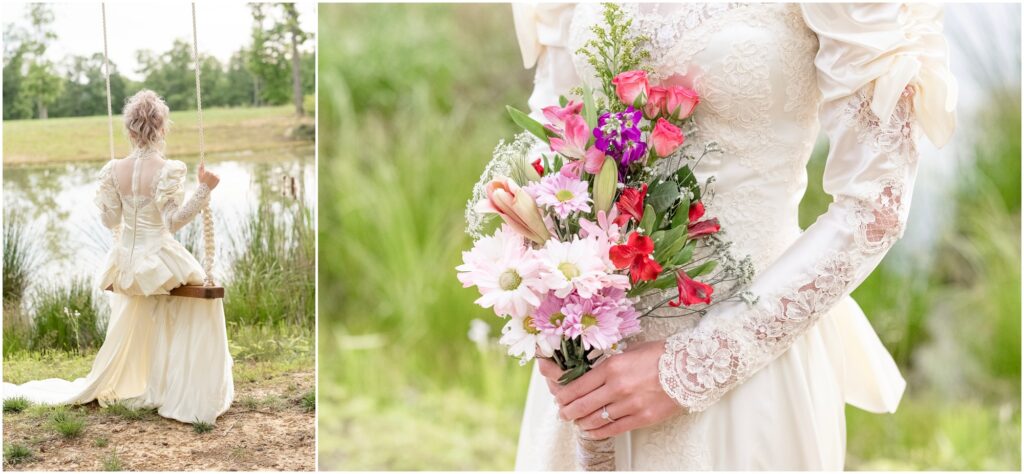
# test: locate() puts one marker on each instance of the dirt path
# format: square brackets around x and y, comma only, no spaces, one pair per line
[270,427]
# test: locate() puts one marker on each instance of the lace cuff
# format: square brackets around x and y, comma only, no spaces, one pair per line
[177,216]
[870,172]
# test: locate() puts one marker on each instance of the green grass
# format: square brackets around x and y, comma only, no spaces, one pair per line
[67,318]
[101,442]
[85,138]
[112,463]
[67,424]
[16,453]
[404,137]
[201,427]
[16,405]
[19,258]
[131,414]
[271,281]
[308,401]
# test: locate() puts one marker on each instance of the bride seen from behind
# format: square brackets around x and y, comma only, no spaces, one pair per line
[161,351]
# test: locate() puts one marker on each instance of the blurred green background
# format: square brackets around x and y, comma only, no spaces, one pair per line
[411,105]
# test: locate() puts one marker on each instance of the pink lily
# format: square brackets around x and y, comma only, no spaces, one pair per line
[557,115]
[574,141]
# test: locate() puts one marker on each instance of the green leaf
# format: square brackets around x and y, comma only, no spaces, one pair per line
[682,216]
[684,255]
[647,223]
[662,196]
[528,124]
[703,269]
[671,244]
[666,280]
[686,178]
[657,237]
[562,101]
[589,108]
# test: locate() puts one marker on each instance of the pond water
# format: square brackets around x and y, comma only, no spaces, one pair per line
[54,203]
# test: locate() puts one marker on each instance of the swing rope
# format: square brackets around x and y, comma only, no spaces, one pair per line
[208,247]
[208,237]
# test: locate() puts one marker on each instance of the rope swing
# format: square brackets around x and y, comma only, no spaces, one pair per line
[209,289]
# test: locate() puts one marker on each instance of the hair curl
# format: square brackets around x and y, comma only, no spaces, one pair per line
[146,119]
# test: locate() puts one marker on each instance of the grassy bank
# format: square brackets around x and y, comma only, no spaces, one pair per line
[405,387]
[85,138]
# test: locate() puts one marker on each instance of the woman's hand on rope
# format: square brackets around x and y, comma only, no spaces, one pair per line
[209,179]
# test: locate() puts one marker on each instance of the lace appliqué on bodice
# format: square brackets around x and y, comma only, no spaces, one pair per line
[697,368]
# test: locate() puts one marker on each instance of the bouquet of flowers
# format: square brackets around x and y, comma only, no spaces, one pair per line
[599,206]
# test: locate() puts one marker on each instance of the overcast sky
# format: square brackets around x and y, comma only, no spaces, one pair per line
[223,28]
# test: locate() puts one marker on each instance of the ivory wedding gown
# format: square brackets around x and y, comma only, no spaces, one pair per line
[764,386]
[161,351]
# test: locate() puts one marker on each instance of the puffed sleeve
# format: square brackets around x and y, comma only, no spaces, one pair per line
[170,196]
[884,80]
[543,33]
[107,199]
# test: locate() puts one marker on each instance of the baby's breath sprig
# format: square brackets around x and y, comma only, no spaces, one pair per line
[613,49]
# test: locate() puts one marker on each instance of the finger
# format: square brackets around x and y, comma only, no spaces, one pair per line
[589,382]
[588,404]
[202,169]
[594,420]
[628,423]
[553,387]
[549,369]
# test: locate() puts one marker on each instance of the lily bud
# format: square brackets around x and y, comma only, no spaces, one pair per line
[605,185]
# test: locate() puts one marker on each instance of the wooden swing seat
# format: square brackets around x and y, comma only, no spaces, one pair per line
[194,291]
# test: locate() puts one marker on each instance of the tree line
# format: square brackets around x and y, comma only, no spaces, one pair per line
[270,71]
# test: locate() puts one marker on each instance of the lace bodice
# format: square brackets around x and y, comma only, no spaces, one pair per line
[142,198]
[873,76]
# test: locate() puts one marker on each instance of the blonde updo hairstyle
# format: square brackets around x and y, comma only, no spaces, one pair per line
[146,119]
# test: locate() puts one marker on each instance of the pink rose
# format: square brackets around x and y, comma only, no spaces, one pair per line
[655,102]
[631,87]
[666,138]
[680,102]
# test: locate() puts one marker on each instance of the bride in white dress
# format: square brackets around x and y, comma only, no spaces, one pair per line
[161,351]
[762,386]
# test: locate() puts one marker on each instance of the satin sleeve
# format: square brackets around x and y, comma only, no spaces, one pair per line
[107,198]
[170,196]
[884,86]
[543,33]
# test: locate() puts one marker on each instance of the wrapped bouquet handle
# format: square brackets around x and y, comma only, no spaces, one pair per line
[594,454]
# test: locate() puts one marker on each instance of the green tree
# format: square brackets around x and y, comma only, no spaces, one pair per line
[42,85]
[290,28]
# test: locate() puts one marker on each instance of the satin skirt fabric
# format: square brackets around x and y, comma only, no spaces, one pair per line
[163,352]
[788,416]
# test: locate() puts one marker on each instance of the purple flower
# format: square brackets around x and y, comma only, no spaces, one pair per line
[619,136]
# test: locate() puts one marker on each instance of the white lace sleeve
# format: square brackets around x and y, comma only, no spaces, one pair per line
[170,197]
[107,199]
[870,173]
